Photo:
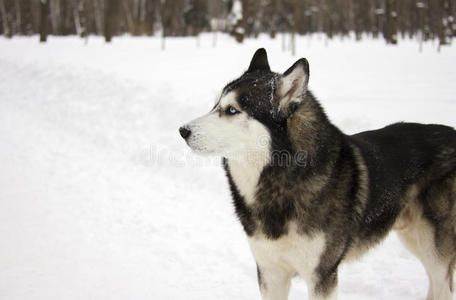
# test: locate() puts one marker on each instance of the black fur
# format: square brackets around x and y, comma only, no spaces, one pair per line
[259,61]
[398,156]
[243,212]
[261,283]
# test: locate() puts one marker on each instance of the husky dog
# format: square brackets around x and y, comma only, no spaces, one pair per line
[311,197]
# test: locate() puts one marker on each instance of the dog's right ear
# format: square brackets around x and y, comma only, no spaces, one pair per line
[259,61]
[293,86]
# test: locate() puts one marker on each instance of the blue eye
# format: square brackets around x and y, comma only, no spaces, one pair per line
[231,110]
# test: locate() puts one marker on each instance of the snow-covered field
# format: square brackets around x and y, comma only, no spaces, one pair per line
[101,199]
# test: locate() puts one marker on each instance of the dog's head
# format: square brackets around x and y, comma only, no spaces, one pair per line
[250,116]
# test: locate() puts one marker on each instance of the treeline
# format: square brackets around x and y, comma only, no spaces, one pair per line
[425,19]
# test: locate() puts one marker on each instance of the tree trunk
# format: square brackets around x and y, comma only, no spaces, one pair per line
[131,26]
[6,26]
[390,28]
[441,22]
[108,21]
[98,16]
[445,18]
[111,7]
[79,16]
[18,23]
[277,12]
[451,13]
[44,20]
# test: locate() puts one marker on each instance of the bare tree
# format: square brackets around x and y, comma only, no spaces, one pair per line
[390,28]
[98,15]
[111,12]
[44,20]
[18,16]
[5,20]
[444,21]
[79,16]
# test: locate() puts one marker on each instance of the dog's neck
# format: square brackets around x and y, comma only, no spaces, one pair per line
[245,171]
[310,152]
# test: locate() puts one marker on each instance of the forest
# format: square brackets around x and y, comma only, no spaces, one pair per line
[387,19]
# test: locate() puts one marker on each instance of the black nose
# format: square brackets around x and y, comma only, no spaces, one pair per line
[185,132]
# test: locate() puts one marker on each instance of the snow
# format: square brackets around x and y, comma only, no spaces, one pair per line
[101,199]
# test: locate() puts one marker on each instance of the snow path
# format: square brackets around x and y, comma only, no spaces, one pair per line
[100,199]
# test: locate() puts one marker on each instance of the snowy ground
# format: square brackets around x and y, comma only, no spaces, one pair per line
[101,199]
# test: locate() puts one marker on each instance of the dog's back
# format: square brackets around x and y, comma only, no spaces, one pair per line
[409,151]
[412,186]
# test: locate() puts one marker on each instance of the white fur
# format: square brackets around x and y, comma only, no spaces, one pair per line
[292,87]
[237,136]
[282,259]
[228,99]
[245,174]
[244,141]
[417,235]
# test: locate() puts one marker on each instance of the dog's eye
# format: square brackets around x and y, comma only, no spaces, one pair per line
[230,110]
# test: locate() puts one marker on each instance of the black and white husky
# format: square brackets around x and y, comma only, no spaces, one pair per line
[310,197]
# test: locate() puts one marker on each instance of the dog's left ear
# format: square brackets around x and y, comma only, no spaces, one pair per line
[259,61]
[293,86]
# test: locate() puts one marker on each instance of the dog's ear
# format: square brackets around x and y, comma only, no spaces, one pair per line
[293,86]
[259,61]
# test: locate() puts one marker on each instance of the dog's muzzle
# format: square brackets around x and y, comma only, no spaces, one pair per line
[185,132]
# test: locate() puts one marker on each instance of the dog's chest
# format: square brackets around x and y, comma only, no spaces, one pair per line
[298,253]
[260,208]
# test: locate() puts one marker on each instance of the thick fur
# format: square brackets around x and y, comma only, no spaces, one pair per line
[312,197]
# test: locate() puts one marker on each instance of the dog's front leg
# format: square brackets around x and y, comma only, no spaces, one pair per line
[274,282]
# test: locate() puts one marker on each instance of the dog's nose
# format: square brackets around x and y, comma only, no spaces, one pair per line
[184,132]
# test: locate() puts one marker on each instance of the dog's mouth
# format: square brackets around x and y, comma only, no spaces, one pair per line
[200,149]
